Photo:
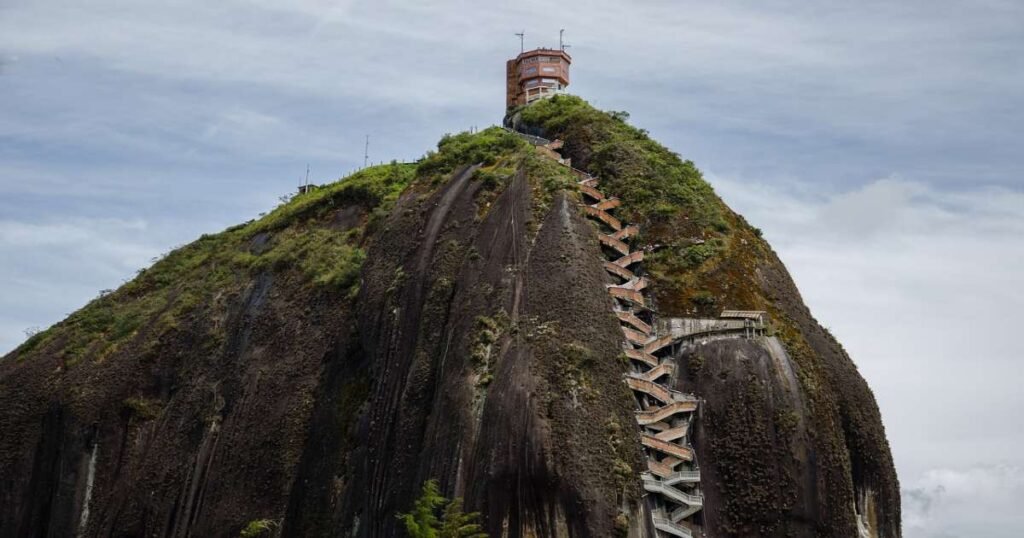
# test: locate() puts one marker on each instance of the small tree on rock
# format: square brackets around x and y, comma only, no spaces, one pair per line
[423,521]
[458,524]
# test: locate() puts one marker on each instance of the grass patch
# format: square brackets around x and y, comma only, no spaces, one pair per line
[371,187]
[144,408]
[324,257]
[487,332]
[258,527]
[486,148]
[676,209]
[192,279]
[659,185]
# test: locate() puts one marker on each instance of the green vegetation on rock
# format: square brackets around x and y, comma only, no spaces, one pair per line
[434,516]
[256,528]
[144,408]
[376,187]
[317,238]
[485,148]
[704,258]
[659,185]
[679,214]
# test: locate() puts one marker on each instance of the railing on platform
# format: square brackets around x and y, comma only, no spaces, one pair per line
[664,524]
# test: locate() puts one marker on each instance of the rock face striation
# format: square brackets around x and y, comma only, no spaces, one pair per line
[533,321]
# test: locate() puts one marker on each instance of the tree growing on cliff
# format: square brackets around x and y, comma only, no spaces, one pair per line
[423,521]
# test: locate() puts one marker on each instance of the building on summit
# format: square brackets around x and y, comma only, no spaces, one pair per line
[536,74]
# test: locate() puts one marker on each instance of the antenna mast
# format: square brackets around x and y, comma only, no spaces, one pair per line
[307,174]
[366,151]
[561,43]
[522,46]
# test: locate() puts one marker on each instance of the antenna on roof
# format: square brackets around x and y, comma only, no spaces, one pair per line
[366,151]
[562,45]
[307,174]
[522,47]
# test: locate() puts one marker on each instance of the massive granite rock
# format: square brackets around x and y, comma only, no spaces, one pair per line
[443,320]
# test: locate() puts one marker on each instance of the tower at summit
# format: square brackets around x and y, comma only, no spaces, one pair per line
[536,74]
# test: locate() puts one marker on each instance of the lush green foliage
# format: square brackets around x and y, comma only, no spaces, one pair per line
[677,210]
[457,524]
[259,527]
[485,147]
[371,187]
[658,184]
[299,240]
[422,521]
[143,408]
[434,516]
[552,176]
[326,257]
[296,238]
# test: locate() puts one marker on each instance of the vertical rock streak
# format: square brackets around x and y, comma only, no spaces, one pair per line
[90,479]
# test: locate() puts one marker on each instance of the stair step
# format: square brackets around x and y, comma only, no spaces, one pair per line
[658,414]
[674,433]
[640,355]
[591,192]
[604,217]
[663,369]
[654,443]
[611,242]
[630,259]
[630,318]
[619,270]
[659,344]
[627,232]
[634,336]
[627,294]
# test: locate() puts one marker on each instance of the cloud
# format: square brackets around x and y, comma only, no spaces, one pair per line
[21,234]
[737,87]
[971,501]
[313,48]
[923,288]
[62,264]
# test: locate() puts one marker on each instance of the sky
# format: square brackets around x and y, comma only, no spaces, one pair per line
[877,144]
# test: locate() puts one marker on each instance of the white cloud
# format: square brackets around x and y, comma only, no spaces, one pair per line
[314,48]
[879,74]
[23,234]
[972,501]
[923,288]
[58,266]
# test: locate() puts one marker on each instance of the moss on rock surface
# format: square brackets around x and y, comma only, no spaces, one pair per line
[706,258]
[444,320]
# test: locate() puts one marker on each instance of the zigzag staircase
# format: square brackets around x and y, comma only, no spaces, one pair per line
[664,415]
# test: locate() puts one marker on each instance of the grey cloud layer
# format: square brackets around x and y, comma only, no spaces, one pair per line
[922,286]
[973,501]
